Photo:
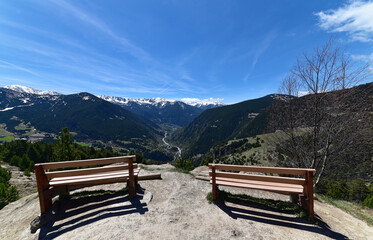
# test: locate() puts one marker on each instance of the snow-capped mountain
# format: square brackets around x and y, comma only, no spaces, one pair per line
[158,102]
[29,90]
[204,103]
[159,110]
[162,102]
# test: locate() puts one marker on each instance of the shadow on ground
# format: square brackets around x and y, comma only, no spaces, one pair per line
[264,214]
[79,212]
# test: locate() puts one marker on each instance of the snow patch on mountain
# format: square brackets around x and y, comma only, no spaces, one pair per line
[25,100]
[6,109]
[216,102]
[23,89]
[280,97]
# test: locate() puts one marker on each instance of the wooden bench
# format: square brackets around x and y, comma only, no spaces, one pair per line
[51,183]
[300,187]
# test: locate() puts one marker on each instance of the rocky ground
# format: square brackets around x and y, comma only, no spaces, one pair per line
[174,208]
[25,184]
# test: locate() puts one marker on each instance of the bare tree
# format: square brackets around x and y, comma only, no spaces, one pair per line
[329,120]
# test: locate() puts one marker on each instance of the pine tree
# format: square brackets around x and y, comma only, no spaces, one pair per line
[64,148]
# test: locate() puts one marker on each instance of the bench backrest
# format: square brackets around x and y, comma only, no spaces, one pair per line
[275,170]
[88,163]
[278,170]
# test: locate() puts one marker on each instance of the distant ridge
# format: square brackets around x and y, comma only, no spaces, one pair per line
[161,102]
[23,89]
[158,110]
[162,110]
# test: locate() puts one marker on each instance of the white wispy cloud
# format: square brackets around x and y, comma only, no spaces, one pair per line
[83,16]
[261,49]
[355,19]
[263,46]
[156,73]
[366,58]
[16,67]
[100,25]
[363,57]
[67,62]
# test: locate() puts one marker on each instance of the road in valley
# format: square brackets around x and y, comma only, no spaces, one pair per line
[170,146]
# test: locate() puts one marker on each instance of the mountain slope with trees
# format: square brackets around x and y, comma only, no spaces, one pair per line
[246,118]
[84,114]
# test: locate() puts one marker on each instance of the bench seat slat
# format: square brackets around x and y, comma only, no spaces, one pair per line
[285,190]
[87,171]
[298,181]
[260,183]
[91,180]
[112,173]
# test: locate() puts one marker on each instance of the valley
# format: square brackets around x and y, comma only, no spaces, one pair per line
[123,124]
[168,146]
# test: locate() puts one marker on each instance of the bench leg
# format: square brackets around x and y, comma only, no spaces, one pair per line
[45,204]
[307,200]
[294,198]
[309,205]
[310,194]
[215,193]
[45,198]
[215,188]
[131,179]
[131,189]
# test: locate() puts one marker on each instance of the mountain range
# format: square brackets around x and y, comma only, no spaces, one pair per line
[162,111]
[131,124]
[158,110]
[83,113]
[140,123]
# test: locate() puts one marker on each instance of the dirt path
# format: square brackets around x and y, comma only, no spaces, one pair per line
[173,208]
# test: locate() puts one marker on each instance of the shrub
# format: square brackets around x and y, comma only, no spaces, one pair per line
[368,201]
[25,163]
[336,189]
[7,193]
[207,161]
[27,173]
[4,175]
[355,190]
[358,191]
[186,165]
[14,161]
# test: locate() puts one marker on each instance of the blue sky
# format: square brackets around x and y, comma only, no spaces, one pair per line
[228,50]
